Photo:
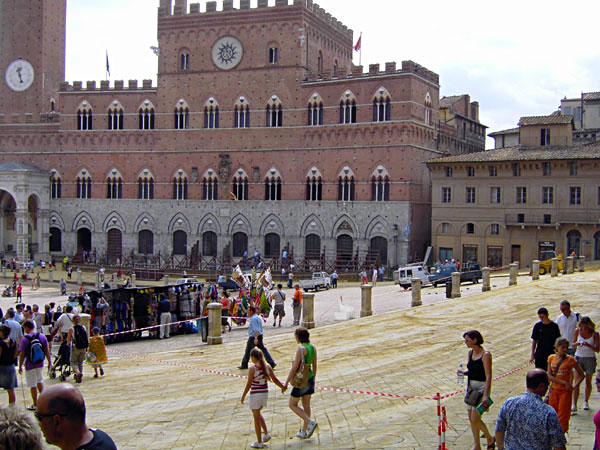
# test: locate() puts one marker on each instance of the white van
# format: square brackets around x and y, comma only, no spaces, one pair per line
[405,274]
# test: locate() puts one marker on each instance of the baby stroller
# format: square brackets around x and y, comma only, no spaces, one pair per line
[7,292]
[62,362]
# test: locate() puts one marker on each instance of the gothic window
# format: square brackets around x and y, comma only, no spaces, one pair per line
[315,110]
[273,55]
[114,185]
[346,185]
[184,60]
[210,186]
[55,184]
[382,106]
[84,184]
[180,185]
[146,242]
[209,243]
[146,116]
[211,114]
[314,185]
[181,115]
[428,117]
[348,108]
[274,112]
[241,114]
[115,116]
[146,185]
[240,186]
[84,116]
[380,185]
[273,185]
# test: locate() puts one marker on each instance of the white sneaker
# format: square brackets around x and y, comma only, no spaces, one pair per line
[257,445]
[574,408]
[266,437]
[311,428]
[586,406]
[301,434]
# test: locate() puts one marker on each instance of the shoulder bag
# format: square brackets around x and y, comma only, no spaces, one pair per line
[547,397]
[300,378]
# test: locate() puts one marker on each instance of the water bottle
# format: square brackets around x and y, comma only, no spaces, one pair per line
[460,375]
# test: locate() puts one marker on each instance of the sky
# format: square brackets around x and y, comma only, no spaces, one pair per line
[516,58]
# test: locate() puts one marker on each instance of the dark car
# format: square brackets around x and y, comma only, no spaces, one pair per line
[468,272]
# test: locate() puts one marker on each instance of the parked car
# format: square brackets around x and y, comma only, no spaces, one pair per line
[406,274]
[319,280]
[469,272]
[546,261]
[187,280]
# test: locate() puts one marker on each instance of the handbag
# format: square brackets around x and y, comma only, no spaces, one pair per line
[547,397]
[473,397]
[300,378]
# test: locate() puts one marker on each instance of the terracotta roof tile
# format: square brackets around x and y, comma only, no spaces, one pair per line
[545,120]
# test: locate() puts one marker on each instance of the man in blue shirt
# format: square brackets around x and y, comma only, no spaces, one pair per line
[526,422]
[255,338]
[16,332]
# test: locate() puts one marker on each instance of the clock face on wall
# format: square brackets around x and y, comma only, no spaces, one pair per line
[227,53]
[19,75]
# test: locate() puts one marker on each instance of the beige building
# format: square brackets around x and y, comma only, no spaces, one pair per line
[512,204]
[586,116]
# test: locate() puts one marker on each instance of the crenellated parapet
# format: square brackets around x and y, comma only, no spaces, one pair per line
[180,8]
[118,85]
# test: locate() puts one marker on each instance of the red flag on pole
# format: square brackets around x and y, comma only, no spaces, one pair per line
[357,46]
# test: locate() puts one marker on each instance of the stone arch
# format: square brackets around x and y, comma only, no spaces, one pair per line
[239,223]
[179,222]
[209,223]
[272,224]
[377,227]
[312,225]
[345,225]
[145,221]
[114,220]
[56,220]
[83,220]
[440,225]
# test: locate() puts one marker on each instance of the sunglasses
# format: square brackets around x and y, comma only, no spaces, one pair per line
[40,416]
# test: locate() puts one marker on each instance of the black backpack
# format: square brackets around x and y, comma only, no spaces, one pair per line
[35,350]
[80,337]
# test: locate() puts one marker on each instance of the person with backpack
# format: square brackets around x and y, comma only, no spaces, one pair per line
[79,342]
[33,349]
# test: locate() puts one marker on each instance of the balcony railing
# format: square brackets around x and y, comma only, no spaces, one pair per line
[556,218]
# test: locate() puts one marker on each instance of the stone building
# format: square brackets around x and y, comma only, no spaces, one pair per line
[586,116]
[512,204]
[260,135]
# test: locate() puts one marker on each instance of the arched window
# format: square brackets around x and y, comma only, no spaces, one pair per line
[380,185]
[180,243]
[314,185]
[184,60]
[115,116]
[315,110]
[180,185]
[239,187]
[240,244]
[145,185]
[274,112]
[348,108]
[346,185]
[181,115]
[273,55]
[211,114]
[273,185]
[320,63]
[114,184]
[209,243]
[146,116]
[241,114]
[312,246]
[84,116]
[55,184]
[428,117]
[210,185]
[381,105]
[146,242]
[84,184]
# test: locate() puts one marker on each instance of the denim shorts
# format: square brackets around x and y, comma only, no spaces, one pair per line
[309,389]
[587,364]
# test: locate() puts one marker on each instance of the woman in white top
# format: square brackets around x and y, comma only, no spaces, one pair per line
[586,344]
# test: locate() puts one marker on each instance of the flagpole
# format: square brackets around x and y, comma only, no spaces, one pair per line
[360,51]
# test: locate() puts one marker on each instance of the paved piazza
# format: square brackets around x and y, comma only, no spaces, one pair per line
[161,395]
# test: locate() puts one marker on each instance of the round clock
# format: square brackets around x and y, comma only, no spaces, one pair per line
[19,75]
[227,52]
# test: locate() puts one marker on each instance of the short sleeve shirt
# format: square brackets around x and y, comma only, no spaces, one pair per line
[100,441]
[25,345]
[546,336]
[565,371]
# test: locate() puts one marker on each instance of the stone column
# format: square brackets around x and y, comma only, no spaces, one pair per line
[455,285]
[581,263]
[50,275]
[554,269]
[485,280]
[570,264]
[166,280]
[416,292]
[133,279]
[535,269]
[365,300]
[214,324]
[565,265]
[114,279]
[79,277]
[308,310]
[97,280]
[513,269]
[22,234]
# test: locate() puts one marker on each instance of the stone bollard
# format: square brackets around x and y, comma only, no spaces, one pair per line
[513,272]
[114,279]
[50,275]
[79,277]
[581,263]
[416,292]
[535,269]
[97,280]
[565,266]
[570,264]
[455,285]
[166,280]
[308,310]
[485,280]
[133,280]
[3,272]
[214,324]
[84,320]
[554,269]
[365,300]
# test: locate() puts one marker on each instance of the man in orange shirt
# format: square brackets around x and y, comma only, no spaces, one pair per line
[297,305]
